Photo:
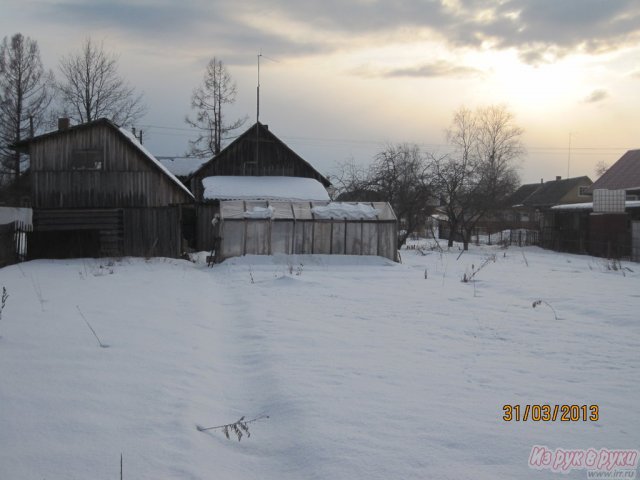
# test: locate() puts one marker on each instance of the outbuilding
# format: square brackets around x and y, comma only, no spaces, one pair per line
[96,191]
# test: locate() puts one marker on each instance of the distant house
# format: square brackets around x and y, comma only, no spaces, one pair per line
[96,191]
[622,175]
[531,203]
[607,223]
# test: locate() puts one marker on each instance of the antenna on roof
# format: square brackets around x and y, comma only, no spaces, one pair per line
[258,91]
[258,105]
[258,113]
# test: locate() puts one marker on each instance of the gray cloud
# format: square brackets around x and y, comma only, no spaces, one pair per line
[541,30]
[440,68]
[596,96]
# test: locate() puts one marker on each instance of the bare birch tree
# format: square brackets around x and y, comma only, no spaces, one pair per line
[481,172]
[208,100]
[92,88]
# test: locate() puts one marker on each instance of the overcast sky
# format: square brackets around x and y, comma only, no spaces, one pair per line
[340,79]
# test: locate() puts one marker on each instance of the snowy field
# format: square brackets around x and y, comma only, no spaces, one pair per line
[366,369]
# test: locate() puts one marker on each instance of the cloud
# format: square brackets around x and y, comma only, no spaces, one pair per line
[540,30]
[596,96]
[439,68]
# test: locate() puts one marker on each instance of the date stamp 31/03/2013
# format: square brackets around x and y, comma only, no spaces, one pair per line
[551,413]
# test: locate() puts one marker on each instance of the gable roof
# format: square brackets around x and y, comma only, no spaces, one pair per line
[551,192]
[127,136]
[622,175]
[264,133]
[518,197]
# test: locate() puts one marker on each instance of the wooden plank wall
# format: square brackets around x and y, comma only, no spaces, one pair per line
[127,178]
[239,158]
[205,232]
[152,232]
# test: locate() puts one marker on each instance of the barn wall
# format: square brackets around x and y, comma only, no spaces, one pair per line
[126,178]
[205,233]
[635,240]
[152,232]
[137,232]
[62,233]
[239,158]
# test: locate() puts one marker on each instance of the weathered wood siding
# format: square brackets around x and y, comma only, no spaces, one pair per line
[205,233]
[127,178]
[152,232]
[274,158]
[135,232]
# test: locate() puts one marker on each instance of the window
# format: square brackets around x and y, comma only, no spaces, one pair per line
[87,160]
[583,191]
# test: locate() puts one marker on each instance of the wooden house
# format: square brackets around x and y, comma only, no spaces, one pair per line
[96,191]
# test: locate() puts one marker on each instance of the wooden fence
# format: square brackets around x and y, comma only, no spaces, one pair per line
[13,243]
[518,236]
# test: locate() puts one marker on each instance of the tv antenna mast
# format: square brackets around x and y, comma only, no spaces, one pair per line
[258,107]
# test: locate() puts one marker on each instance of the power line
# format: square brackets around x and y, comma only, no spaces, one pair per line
[537,149]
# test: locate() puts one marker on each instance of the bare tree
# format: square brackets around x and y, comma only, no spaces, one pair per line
[601,168]
[398,175]
[481,172]
[208,100]
[25,95]
[92,88]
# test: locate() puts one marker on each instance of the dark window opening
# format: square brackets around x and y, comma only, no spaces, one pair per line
[87,160]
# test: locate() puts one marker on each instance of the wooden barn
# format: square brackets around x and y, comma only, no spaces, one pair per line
[255,154]
[96,191]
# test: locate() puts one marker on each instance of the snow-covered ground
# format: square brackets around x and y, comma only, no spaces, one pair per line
[367,369]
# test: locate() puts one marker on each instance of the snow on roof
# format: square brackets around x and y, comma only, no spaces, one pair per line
[182,166]
[132,138]
[305,210]
[350,211]
[227,187]
[589,205]
[260,212]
